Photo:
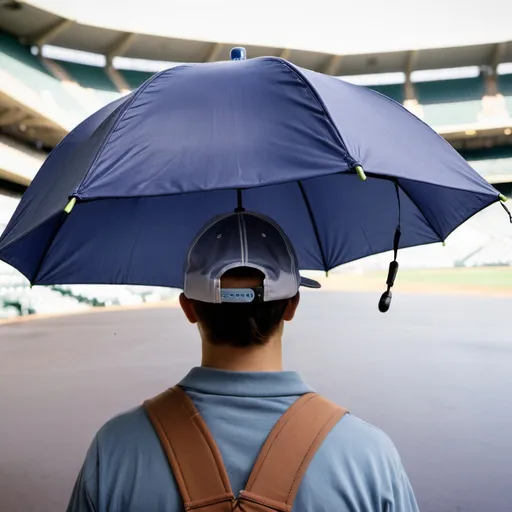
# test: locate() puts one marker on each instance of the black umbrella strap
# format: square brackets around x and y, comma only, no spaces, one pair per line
[397,190]
[385,300]
[398,231]
[393,266]
[504,206]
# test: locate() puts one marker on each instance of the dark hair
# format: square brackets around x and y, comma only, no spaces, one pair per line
[241,325]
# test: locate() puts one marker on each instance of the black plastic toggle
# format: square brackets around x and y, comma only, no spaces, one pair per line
[385,301]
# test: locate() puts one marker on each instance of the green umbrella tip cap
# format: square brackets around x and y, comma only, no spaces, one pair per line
[503,198]
[70,205]
[360,173]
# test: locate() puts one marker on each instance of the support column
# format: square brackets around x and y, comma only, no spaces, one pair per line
[410,101]
[494,108]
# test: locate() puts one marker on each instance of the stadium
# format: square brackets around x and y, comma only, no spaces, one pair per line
[434,373]
[54,72]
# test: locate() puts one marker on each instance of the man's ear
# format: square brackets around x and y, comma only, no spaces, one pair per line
[291,308]
[188,308]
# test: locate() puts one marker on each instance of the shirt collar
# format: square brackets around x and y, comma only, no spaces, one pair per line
[247,384]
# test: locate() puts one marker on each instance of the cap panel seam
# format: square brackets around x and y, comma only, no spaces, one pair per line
[244,239]
[287,243]
[205,228]
[241,236]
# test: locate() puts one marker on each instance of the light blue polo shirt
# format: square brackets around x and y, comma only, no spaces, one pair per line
[357,468]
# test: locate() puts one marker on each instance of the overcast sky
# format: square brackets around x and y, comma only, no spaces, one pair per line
[334,26]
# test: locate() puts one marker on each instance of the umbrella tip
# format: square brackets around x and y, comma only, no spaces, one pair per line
[238,53]
[360,172]
[503,198]
[70,205]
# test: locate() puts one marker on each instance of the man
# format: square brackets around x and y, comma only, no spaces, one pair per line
[241,284]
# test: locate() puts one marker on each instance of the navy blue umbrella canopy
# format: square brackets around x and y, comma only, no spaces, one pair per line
[121,197]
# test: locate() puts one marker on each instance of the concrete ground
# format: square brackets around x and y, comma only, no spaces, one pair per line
[435,373]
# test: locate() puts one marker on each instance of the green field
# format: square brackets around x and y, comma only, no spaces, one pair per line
[486,277]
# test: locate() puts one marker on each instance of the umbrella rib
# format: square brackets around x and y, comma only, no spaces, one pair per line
[397,182]
[420,210]
[121,109]
[48,247]
[323,107]
[314,224]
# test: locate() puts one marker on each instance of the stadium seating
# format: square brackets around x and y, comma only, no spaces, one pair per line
[7,206]
[17,298]
[92,78]
[17,160]
[393,91]
[24,78]
[451,102]
[493,167]
[505,87]
[135,78]
[68,92]
[485,239]
[496,252]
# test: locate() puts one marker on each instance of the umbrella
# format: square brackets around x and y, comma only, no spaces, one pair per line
[345,171]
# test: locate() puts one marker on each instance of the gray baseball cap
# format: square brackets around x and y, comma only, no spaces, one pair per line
[242,239]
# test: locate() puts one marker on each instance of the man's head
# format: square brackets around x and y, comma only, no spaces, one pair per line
[241,280]
[240,325]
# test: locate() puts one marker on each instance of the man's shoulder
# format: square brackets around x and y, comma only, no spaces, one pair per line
[360,463]
[357,441]
[126,429]
[368,434]
[352,433]
[352,439]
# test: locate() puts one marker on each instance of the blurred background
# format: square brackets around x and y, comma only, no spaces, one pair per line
[450,64]
[434,372]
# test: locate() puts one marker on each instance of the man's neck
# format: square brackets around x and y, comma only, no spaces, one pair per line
[266,358]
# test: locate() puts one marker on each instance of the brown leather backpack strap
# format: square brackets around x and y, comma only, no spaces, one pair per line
[289,448]
[193,455]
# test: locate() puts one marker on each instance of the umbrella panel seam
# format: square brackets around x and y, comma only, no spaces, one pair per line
[316,97]
[314,224]
[124,109]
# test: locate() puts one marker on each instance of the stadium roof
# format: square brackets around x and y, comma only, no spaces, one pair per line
[327,26]
[41,22]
